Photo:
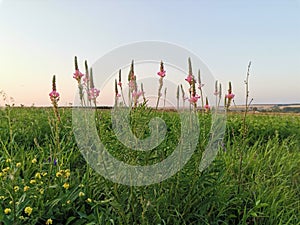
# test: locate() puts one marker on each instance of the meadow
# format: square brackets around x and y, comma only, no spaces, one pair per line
[45,177]
[262,187]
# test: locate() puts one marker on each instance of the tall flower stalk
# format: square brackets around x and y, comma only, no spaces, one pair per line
[54,97]
[162,74]
[86,79]
[229,97]
[134,93]
[177,97]
[77,75]
[247,103]
[207,107]
[117,95]
[183,95]
[93,92]
[165,97]
[192,82]
[143,94]
[132,84]
[244,128]
[200,85]
[220,95]
[88,82]
[216,93]
[121,87]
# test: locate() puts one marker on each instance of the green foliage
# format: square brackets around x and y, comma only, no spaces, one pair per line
[70,192]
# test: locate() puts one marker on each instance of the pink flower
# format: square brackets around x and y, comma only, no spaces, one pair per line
[131,84]
[189,79]
[200,86]
[54,95]
[85,80]
[132,77]
[161,73]
[120,84]
[194,99]
[93,93]
[136,94]
[207,107]
[77,75]
[230,96]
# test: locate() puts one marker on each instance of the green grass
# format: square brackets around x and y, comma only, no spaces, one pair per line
[267,193]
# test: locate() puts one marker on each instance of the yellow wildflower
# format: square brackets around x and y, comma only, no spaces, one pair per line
[16,188]
[32,181]
[8,160]
[66,185]
[26,188]
[68,202]
[44,174]
[67,173]
[2,197]
[28,210]
[1,174]
[34,160]
[58,174]
[89,200]
[81,194]
[42,191]
[49,221]
[5,169]
[18,164]
[7,211]
[37,176]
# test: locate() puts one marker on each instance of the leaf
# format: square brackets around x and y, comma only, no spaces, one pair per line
[257,202]
[82,215]
[70,219]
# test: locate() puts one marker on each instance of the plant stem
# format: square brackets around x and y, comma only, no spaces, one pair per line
[247,99]
[244,128]
[159,91]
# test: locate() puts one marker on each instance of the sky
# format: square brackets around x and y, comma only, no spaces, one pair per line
[39,38]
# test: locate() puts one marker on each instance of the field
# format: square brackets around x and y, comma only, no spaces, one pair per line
[283,108]
[44,179]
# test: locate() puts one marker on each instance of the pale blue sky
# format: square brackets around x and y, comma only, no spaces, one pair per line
[39,38]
